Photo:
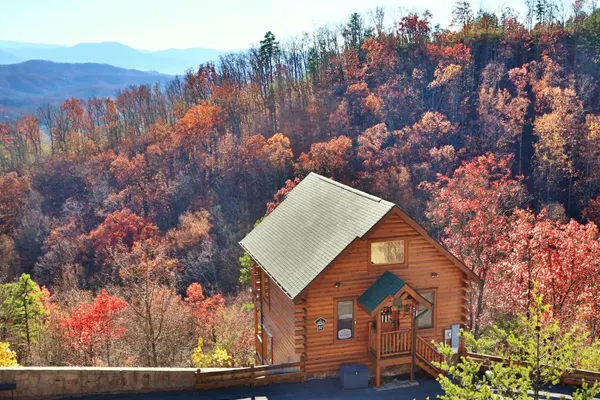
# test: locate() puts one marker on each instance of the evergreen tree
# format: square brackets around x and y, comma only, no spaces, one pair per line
[536,353]
[23,312]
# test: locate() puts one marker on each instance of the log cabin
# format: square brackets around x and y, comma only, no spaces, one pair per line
[343,277]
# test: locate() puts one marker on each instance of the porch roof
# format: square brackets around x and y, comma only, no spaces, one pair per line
[388,284]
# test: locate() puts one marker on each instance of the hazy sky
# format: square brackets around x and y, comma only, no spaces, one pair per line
[220,24]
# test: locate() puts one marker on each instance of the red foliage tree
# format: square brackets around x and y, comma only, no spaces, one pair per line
[204,308]
[121,228]
[281,194]
[473,209]
[563,257]
[13,194]
[414,28]
[330,158]
[92,329]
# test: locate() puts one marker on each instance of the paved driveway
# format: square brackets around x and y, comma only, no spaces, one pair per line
[316,389]
[312,390]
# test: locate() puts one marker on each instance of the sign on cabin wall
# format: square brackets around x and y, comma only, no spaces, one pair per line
[320,323]
[344,334]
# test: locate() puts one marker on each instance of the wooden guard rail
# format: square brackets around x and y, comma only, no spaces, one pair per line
[572,377]
[251,376]
[427,352]
[395,343]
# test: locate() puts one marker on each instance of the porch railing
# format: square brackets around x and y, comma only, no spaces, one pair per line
[395,343]
[427,352]
[391,343]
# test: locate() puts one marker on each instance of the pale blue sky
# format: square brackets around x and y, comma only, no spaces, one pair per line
[220,24]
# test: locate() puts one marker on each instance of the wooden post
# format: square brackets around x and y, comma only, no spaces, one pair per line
[370,334]
[378,367]
[413,346]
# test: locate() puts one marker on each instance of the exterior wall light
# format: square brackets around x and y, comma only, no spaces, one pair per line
[337,284]
[434,275]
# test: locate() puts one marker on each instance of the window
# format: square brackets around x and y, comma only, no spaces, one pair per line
[269,350]
[386,314]
[267,290]
[345,320]
[388,252]
[425,321]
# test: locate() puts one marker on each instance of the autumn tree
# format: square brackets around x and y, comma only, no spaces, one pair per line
[61,262]
[414,28]
[120,228]
[8,358]
[92,330]
[29,128]
[193,245]
[560,256]
[472,208]
[559,133]
[13,195]
[502,115]
[159,320]
[331,159]
[205,309]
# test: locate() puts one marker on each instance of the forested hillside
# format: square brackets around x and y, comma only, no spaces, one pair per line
[130,209]
[26,86]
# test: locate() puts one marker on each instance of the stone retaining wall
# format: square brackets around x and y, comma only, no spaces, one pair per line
[57,382]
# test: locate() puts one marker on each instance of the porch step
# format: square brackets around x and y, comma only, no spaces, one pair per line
[396,384]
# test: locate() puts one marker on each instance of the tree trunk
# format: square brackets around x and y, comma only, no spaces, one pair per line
[479,308]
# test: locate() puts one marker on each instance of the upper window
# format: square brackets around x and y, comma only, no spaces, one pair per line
[345,320]
[388,252]
[425,321]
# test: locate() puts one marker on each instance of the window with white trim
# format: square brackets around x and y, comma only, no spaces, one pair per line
[426,320]
[345,320]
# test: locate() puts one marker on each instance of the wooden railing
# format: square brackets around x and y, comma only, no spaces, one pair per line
[372,338]
[427,352]
[571,377]
[262,375]
[395,343]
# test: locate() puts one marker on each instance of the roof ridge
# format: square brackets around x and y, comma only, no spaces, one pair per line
[351,189]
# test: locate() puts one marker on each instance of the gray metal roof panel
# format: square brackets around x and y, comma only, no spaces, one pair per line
[310,228]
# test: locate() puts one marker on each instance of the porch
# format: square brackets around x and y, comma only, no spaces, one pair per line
[395,308]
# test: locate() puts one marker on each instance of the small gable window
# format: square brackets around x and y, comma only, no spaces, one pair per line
[388,252]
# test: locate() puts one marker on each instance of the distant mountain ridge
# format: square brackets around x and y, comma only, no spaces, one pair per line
[26,86]
[171,61]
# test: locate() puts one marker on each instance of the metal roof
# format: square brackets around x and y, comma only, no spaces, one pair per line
[318,219]
[386,285]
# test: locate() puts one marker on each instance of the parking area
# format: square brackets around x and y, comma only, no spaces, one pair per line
[312,390]
[316,389]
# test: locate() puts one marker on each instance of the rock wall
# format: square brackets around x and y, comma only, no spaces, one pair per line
[56,382]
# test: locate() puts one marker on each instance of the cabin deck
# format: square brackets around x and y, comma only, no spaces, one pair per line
[396,348]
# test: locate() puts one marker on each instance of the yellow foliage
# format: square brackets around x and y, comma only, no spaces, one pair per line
[446,75]
[219,359]
[8,358]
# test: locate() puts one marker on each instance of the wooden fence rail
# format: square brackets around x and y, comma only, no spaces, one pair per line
[251,376]
[572,377]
